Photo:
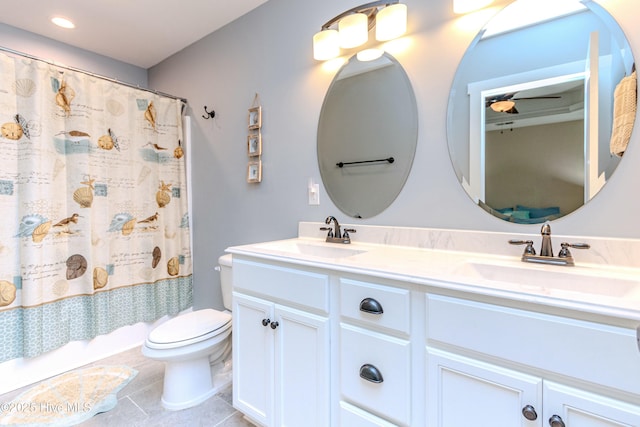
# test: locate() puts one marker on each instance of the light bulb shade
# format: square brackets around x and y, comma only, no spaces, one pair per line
[391,22]
[353,30]
[326,45]
[502,106]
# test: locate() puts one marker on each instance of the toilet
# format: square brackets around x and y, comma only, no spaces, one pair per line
[196,349]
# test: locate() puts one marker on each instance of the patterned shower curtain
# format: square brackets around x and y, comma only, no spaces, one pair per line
[95,230]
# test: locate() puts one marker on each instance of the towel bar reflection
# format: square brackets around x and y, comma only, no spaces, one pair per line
[388,159]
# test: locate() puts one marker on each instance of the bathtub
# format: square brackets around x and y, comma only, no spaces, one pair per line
[21,372]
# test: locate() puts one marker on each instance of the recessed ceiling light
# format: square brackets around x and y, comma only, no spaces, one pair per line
[62,22]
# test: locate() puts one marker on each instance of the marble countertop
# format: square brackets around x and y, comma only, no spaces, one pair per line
[611,291]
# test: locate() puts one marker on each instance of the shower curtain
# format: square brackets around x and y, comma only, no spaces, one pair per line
[95,229]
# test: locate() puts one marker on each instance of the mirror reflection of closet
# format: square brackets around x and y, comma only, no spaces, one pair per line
[367,135]
[531,110]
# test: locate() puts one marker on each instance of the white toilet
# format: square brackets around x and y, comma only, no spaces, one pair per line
[196,349]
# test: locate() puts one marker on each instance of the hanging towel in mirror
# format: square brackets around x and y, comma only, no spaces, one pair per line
[624,114]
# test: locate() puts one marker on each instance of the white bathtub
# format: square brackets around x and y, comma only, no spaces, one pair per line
[20,372]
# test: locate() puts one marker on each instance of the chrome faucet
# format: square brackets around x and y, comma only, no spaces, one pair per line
[336,226]
[334,235]
[546,252]
[545,248]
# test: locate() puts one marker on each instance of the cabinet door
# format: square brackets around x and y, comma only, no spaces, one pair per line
[465,392]
[253,356]
[302,368]
[573,407]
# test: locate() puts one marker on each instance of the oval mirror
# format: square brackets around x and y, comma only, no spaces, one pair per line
[531,127]
[367,135]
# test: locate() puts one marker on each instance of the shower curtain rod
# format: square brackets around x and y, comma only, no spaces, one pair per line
[50,62]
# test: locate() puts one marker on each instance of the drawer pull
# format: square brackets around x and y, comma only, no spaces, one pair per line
[556,421]
[529,412]
[370,373]
[369,305]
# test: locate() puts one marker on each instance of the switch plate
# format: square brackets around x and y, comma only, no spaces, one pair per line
[314,194]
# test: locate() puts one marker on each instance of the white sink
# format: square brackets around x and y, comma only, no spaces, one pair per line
[550,279]
[313,249]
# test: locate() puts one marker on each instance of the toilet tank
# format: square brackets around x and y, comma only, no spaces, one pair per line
[226,282]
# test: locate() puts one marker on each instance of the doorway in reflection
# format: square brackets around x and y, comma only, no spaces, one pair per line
[534,151]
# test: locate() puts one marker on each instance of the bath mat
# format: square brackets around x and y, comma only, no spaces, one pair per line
[68,399]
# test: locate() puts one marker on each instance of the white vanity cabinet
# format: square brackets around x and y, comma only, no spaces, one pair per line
[374,354]
[391,340]
[473,346]
[579,408]
[466,392]
[281,345]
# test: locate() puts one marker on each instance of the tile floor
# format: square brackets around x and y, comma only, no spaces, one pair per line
[139,401]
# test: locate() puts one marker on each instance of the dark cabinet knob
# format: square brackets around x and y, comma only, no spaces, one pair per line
[556,421]
[529,412]
[369,305]
[274,325]
[371,373]
[265,322]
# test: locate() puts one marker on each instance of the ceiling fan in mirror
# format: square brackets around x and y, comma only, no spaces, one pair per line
[506,103]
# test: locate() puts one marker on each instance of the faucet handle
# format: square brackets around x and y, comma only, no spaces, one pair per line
[346,231]
[564,252]
[528,250]
[329,231]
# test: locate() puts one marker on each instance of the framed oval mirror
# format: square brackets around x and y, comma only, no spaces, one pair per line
[531,127]
[367,135]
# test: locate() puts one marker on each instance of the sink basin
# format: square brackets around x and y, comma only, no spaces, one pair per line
[320,249]
[549,279]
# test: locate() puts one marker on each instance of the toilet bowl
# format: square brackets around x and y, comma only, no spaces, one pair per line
[191,344]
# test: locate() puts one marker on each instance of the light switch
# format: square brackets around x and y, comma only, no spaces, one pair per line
[314,194]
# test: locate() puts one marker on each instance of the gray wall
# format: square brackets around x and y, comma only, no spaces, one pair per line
[269,53]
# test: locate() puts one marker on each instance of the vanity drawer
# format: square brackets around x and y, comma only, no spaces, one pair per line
[360,301]
[371,354]
[352,416]
[589,351]
[300,287]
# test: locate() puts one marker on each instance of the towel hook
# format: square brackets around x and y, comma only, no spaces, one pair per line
[209,114]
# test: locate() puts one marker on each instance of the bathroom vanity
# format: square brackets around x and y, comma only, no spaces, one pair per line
[417,327]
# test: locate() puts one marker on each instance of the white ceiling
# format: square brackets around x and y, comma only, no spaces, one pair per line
[139,32]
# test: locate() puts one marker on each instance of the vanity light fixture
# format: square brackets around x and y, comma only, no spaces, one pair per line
[466,6]
[391,22]
[326,45]
[351,29]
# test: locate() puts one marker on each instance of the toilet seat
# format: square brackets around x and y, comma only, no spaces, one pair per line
[189,328]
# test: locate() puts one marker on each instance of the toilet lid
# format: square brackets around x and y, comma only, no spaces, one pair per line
[189,326]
